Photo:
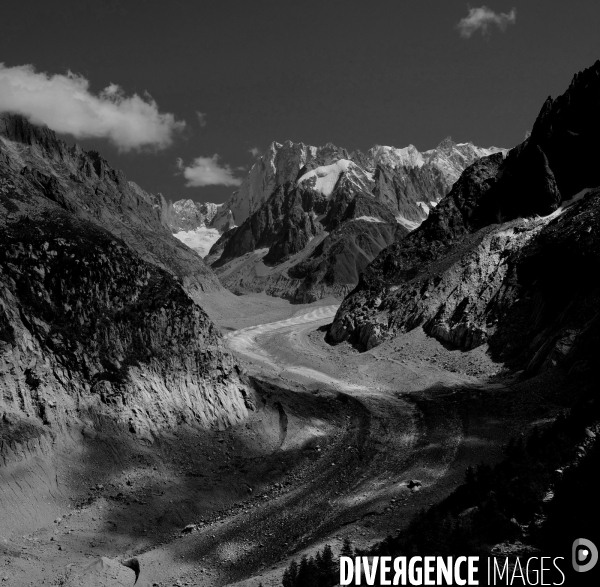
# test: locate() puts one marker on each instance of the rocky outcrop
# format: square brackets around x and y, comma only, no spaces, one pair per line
[84,184]
[295,245]
[507,257]
[284,225]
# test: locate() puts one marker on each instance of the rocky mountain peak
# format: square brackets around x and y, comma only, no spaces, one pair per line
[567,129]
[17,128]
[392,157]
[446,145]
[281,163]
[325,178]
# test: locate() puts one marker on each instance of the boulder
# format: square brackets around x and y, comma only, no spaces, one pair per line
[102,572]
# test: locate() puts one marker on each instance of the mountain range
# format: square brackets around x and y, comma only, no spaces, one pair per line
[509,258]
[307,220]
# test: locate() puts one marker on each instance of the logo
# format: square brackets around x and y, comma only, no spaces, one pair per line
[585,555]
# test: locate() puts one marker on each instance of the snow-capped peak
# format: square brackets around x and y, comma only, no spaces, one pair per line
[323,179]
[280,163]
[392,157]
[452,158]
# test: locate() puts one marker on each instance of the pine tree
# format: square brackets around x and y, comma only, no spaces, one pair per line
[312,579]
[307,573]
[347,549]
[286,580]
[290,575]
[327,568]
[318,561]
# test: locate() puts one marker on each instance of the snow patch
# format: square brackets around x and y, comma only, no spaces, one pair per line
[326,176]
[200,240]
[578,196]
[369,219]
[409,224]
[568,203]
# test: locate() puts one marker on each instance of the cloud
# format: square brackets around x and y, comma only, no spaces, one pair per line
[255,152]
[66,105]
[201,118]
[480,19]
[205,171]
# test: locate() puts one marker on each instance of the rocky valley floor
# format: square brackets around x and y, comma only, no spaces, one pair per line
[329,452]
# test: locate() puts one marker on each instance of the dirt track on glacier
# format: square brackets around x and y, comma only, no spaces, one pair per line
[335,438]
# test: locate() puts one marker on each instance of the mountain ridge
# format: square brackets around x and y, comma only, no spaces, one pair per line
[314,201]
[99,322]
[84,184]
[505,219]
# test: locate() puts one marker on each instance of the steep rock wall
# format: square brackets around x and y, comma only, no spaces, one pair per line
[90,332]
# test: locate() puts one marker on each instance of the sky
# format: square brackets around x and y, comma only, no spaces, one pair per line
[182,95]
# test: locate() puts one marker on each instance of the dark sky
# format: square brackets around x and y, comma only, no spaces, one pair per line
[355,73]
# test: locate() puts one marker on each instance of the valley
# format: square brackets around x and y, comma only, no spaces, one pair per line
[336,437]
[341,340]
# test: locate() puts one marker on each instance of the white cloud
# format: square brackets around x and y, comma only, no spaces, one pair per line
[66,105]
[480,19]
[205,171]
[201,118]
[255,152]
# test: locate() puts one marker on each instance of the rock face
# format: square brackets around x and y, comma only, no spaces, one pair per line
[508,256]
[185,215]
[95,332]
[199,226]
[328,214]
[278,165]
[83,184]
[412,183]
